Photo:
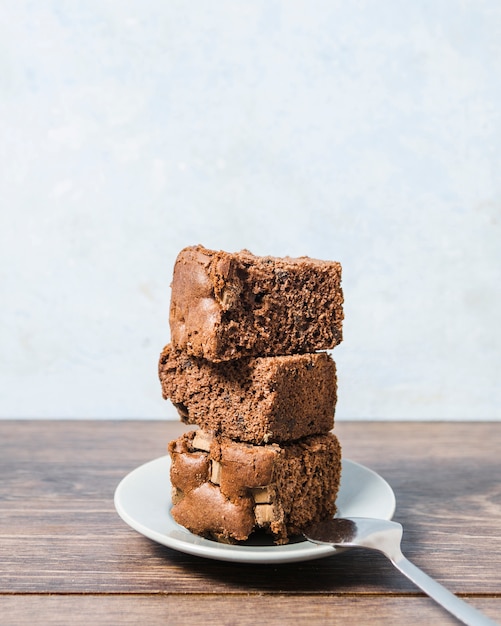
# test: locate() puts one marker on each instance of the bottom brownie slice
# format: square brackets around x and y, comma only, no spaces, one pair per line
[224,489]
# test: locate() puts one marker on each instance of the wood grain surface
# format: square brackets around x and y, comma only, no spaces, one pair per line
[66,556]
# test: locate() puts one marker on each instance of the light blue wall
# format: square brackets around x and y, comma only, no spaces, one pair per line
[368,132]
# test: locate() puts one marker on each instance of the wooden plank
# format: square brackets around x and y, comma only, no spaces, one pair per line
[243,610]
[64,566]
[59,530]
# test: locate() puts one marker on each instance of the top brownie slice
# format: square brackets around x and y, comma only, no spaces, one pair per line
[228,305]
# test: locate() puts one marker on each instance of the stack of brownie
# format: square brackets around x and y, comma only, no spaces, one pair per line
[247,365]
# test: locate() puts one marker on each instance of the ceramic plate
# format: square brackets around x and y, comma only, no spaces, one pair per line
[142,500]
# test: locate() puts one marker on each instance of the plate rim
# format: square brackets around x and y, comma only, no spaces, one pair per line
[177,539]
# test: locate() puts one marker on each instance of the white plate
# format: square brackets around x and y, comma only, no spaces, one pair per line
[142,499]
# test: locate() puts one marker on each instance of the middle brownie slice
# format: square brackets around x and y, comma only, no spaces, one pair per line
[256,399]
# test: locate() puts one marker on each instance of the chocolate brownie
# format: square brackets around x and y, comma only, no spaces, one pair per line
[229,305]
[225,490]
[253,399]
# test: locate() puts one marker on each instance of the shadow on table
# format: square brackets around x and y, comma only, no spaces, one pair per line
[357,568]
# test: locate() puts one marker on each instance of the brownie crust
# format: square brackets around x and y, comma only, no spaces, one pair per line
[229,305]
[253,399]
[225,490]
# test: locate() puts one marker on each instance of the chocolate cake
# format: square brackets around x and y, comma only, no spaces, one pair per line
[229,305]
[257,400]
[247,363]
[225,490]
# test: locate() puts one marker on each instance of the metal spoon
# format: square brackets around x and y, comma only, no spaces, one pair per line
[385,536]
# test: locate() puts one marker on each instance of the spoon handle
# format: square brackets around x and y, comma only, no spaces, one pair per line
[457,607]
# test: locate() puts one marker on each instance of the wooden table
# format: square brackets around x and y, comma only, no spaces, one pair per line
[67,558]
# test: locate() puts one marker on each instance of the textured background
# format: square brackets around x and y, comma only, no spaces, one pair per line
[368,132]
